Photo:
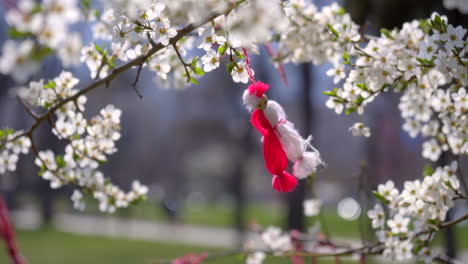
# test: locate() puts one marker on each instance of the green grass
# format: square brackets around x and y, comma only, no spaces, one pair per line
[221,215]
[47,246]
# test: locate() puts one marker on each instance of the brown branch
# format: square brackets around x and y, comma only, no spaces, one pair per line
[454,222]
[136,80]
[186,65]
[29,110]
[135,62]
[374,249]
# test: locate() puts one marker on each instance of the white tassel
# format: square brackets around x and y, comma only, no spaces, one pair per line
[307,165]
[295,146]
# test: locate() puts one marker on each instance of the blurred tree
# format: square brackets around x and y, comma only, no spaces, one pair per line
[296,198]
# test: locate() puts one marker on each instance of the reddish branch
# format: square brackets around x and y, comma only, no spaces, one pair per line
[8,234]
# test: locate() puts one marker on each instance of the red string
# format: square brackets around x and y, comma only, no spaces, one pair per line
[247,65]
[8,234]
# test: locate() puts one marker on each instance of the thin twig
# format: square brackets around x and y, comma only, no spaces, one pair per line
[29,110]
[136,80]
[186,65]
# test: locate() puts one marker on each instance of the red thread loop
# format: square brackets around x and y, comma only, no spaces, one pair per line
[247,65]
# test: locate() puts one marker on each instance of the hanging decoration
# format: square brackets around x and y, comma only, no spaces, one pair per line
[281,141]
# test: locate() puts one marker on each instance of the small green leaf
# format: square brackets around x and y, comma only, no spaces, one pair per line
[329,93]
[49,85]
[341,11]
[222,49]
[359,100]
[333,31]
[350,110]
[428,170]
[86,4]
[36,9]
[194,62]
[346,56]
[193,80]
[380,197]
[198,71]
[239,54]
[40,53]
[60,161]
[98,48]
[230,67]
[386,33]
[47,105]
[16,34]
[362,86]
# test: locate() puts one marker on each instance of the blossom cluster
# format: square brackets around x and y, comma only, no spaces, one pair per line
[36,31]
[272,239]
[88,144]
[12,144]
[426,62]
[307,37]
[406,221]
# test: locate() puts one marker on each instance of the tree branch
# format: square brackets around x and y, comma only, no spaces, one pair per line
[135,62]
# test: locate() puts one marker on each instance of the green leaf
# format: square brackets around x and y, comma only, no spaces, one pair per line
[418,248]
[380,197]
[362,86]
[36,9]
[60,161]
[100,49]
[193,80]
[239,54]
[198,71]
[338,100]
[329,93]
[333,31]
[230,67]
[425,25]
[350,110]
[346,56]
[86,4]
[194,62]
[16,34]
[49,85]
[40,53]
[222,49]
[341,11]
[428,170]
[386,33]
[359,100]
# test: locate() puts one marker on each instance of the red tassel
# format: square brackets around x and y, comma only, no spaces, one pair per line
[284,182]
[273,152]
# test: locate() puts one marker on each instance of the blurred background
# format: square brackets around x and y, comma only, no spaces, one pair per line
[202,160]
